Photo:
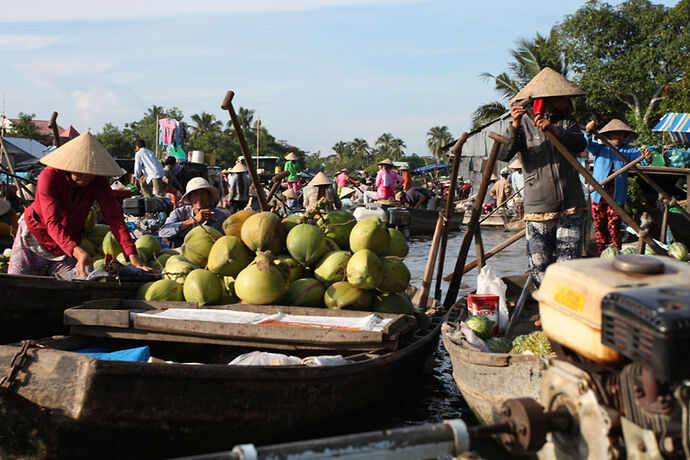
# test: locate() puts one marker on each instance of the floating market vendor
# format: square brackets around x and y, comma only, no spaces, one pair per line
[293,167]
[606,221]
[148,170]
[320,187]
[516,180]
[196,210]
[407,178]
[291,199]
[501,188]
[554,202]
[418,197]
[347,195]
[387,180]
[48,239]
[238,187]
[342,179]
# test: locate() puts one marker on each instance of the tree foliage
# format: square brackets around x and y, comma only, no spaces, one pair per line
[437,137]
[24,127]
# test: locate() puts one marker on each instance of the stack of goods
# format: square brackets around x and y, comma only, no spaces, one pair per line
[315,260]
[677,250]
[536,343]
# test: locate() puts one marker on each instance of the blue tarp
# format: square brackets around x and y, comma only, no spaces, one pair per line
[428,168]
[676,124]
[139,354]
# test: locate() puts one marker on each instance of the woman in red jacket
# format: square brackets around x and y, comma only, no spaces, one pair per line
[48,240]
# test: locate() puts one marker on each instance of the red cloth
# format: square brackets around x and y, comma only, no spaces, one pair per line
[56,218]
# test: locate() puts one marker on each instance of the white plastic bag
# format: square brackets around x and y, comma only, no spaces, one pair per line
[262,358]
[489,282]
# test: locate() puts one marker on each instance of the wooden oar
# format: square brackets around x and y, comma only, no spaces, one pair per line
[671,201]
[619,172]
[431,260]
[456,150]
[456,279]
[227,105]
[570,158]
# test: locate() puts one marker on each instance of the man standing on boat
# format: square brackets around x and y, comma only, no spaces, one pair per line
[554,202]
[148,170]
[501,188]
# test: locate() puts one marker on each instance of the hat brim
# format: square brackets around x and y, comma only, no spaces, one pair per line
[215,194]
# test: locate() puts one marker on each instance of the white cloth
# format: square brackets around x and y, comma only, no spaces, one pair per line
[146,164]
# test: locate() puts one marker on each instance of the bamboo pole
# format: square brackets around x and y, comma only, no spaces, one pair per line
[492,252]
[669,199]
[611,202]
[620,171]
[227,105]
[429,270]
[456,150]
[456,279]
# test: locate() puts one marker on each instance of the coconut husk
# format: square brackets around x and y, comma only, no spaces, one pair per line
[320,179]
[548,83]
[83,154]
[620,125]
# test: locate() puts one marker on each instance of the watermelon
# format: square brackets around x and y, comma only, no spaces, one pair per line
[610,252]
[481,325]
[678,251]
[499,344]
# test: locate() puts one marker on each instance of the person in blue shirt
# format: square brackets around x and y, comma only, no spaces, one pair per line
[606,220]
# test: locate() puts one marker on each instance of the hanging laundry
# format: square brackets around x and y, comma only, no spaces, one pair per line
[177,152]
[180,133]
[167,131]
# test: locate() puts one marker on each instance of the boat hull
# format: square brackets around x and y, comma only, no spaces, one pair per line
[89,407]
[423,221]
[32,306]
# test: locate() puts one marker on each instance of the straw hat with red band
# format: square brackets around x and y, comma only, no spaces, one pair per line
[83,154]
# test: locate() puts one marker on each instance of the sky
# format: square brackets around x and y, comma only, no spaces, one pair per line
[315,71]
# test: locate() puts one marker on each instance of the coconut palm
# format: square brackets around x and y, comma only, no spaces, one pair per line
[529,57]
[246,119]
[205,123]
[360,150]
[397,147]
[384,144]
[437,137]
[340,148]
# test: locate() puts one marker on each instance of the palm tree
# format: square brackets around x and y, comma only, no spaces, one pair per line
[246,118]
[529,57]
[205,123]
[384,143]
[437,137]
[340,148]
[397,146]
[360,149]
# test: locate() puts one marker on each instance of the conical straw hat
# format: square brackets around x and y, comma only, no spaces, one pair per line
[548,83]
[346,191]
[83,154]
[239,168]
[387,161]
[515,164]
[403,168]
[493,176]
[291,156]
[620,125]
[289,193]
[320,179]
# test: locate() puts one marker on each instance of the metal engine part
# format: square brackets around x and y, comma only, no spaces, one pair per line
[594,430]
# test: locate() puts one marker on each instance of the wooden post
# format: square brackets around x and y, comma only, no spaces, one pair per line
[479,246]
[611,202]
[227,105]
[456,150]
[429,270]
[456,279]
[52,124]
[664,223]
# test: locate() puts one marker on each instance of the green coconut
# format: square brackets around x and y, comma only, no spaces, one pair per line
[202,287]
[98,262]
[228,256]
[149,244]
[198,243]
[343,295]
[159,262]
[332,267]
[398,245]
[229,296]
[306,244]
[171,252]
[141,292]
[90,221]
[177,268]
[233,224]
[304,292]
[290,222]
[261,283]
[338,225]
[331,245]
[364,269]
[289,267]
[89,247]
[393,303]
[97,233]
[370,233]
[110,245]
[263,232]
[164,290]
[396,276]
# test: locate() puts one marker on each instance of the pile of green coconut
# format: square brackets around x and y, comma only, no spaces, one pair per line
[329,260]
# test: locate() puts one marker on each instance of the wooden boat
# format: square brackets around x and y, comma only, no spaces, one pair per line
[487,380]
[73,405]
[423,221]
[32,306]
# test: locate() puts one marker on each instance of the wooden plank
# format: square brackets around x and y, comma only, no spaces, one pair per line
[96,317]
[134,334]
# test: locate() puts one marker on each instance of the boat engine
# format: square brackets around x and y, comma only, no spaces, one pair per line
[146,214]
[623,374]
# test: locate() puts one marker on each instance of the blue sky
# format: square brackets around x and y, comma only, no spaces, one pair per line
[316,71]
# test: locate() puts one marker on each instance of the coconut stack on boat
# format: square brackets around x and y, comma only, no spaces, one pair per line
[315,260]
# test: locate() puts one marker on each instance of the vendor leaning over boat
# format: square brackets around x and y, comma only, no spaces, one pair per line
[606,221]
[196,210]
[554,202]
[418,197]
[50,232]
[321,187]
